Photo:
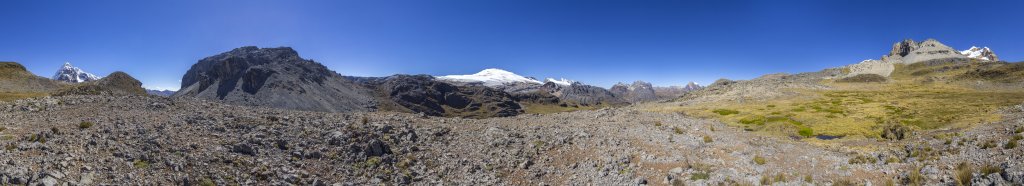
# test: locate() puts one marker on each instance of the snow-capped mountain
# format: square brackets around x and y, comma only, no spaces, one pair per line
[692,86]
[72,74]
[983,53]
[491,77]
[560,81]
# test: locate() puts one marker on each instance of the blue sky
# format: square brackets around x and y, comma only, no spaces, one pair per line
[595,41]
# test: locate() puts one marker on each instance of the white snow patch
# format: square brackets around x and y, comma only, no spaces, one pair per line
[975,52]
[491,77]
[560,81]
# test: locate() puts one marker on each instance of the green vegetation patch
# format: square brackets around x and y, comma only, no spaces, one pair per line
[725,112]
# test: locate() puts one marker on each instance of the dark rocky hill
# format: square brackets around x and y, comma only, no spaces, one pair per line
[273,77]
[117,83]
[424,94]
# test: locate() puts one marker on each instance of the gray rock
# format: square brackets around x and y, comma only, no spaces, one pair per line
[243,148]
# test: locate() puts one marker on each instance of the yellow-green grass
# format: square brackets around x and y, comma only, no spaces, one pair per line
[861,112]
[10,96]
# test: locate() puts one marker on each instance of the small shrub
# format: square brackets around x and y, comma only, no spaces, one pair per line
[85,125]
[1016,137]
[3,129]
[988,144]
[678,182]
[892,160]
[54,130]
[206,182]
[140,164]
[707,139]
[1019,130]
[657,123]
[991,169]
[780,177]
[373,161]
[895,132]
[759,120]
[725,112]
[364,120]
[963,174]
[843,182]
[914,177]
[677,130]
[861,159]
[700,175]
[10,147]
[806,132]
[1010,145]
[759,160]
[766,180]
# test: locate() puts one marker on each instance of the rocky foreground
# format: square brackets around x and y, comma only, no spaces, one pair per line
[140,140]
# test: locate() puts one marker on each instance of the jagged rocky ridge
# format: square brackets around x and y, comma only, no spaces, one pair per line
[639,91]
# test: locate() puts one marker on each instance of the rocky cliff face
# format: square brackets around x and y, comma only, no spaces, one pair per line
[909,51]
[424,94]
[639,91]
[273,77]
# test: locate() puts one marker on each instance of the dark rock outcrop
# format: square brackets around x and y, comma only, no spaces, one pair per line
[273,77]
[424,94]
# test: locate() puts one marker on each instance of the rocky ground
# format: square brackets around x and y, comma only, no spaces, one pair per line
[148,140]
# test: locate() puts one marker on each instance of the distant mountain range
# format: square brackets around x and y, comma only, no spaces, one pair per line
[164,93]
[278,77]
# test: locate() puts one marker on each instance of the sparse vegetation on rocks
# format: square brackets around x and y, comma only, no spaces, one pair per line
[85,125]
[759,160]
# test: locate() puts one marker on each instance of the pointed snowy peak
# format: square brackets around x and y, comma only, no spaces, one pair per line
[491,77]
[560,81]
[983,53]
[72,74]
[693,86]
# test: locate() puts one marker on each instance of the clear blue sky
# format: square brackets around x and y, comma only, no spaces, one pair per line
[595,41]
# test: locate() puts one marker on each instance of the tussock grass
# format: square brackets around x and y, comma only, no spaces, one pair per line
[85,125]
[759,160]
